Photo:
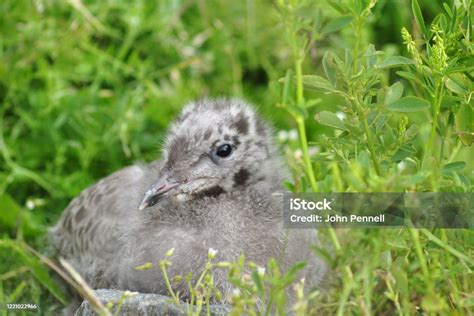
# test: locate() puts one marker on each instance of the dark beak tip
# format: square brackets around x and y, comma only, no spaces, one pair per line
[149,200]
[155,193]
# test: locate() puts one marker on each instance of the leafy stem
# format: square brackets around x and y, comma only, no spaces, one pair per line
[358,24]
[163,265]
[299,57]
[369,136]
[371,145]
[355,90]
[299,80]
[304,149]
[439,92]
[414,234]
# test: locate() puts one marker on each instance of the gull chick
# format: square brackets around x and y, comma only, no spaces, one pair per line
[218,187]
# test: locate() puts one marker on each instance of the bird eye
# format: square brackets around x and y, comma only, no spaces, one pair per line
[224,150]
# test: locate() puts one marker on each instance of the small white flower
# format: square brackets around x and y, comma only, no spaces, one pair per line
[402,165]
[261,271]
[30,204]
[212,253]
[293,135]
[298,154]
[313,150]
[236,292]
[341,115]
[283,136]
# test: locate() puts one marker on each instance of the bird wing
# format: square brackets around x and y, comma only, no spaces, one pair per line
[93,221]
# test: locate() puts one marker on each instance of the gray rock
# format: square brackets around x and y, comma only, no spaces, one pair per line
[142,304]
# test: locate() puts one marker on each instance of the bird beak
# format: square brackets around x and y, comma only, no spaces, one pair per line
[156,192]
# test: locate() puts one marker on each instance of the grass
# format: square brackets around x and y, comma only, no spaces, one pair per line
[87,88]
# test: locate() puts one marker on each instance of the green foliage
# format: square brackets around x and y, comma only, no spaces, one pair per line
[386,115]
[380,129]
[380,94]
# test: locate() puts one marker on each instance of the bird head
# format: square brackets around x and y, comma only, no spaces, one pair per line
[215,147]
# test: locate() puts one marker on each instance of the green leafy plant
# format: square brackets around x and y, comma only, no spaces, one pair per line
[257,290]
[378,140]
[201,289]
[378,121]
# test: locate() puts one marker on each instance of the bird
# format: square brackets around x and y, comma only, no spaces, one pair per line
[218,186]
